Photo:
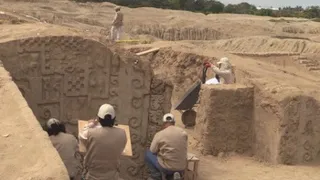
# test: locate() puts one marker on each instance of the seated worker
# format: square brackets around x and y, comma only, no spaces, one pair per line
[65,144]
[224,71]
[168,150]
[104,145]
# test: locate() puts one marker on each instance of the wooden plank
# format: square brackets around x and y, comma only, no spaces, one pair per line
[127,150]
[192,157]
[147,51]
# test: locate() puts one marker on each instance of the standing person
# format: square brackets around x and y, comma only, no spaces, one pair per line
[104,145]
[65,144]
[117,24]
[224,71]
[168,150]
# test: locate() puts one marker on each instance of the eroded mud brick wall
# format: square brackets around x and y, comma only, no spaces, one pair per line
[70,77]
[286,125]
[225,118]
[299,130]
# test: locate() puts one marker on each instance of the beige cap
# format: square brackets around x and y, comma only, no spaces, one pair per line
[106,109]
[168,118]
[117,8]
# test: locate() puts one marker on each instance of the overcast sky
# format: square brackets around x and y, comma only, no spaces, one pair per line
[276,3]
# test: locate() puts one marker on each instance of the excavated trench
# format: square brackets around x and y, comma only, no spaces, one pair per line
[68,78]
[282,126]
[71,86]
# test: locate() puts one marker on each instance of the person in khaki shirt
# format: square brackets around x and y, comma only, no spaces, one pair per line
[65,144]
[168,150]
[104,145]
[117,24]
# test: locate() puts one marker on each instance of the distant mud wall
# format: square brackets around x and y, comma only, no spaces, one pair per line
[225,119]
[177,34]
[26,151]
[70,77]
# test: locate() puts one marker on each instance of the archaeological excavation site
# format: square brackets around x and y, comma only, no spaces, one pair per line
[56,63]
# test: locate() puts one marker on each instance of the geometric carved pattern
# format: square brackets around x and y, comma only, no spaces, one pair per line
[69,77]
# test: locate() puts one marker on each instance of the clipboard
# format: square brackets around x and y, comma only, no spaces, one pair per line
[127,150]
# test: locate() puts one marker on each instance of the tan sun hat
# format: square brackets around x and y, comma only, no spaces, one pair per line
[106,109]
[223,60]
[117,8]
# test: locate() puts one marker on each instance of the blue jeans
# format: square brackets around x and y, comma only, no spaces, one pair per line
[154,166]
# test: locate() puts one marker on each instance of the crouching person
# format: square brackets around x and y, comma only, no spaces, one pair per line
[65,144]
[104,145]
[168,151]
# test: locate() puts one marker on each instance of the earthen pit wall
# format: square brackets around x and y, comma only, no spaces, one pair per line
[68,77]
[286,129]
[26,151]
[225,118]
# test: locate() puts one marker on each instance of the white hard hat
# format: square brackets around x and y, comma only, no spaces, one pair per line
[106,109]
[168,118]
[52,121]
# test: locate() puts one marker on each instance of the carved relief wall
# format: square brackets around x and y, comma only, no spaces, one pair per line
[69,77]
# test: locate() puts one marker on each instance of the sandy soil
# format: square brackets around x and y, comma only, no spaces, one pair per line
[225,35]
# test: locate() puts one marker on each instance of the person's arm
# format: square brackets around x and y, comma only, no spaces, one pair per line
[220,72]
[115,18]
[154,147]
[83,135]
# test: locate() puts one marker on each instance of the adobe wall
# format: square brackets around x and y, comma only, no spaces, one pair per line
[299,130]
[26,151]
[286,119]
[225,118]
[69,77]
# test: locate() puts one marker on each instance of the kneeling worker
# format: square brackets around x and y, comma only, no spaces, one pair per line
[104,145]
[168,150]
[66,145]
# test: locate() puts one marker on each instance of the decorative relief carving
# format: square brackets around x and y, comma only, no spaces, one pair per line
[137,102]
[156,101]
[75,108]
[47,111]
[51,88]
[99,84]
[134,122]
[157,87]
[76,84]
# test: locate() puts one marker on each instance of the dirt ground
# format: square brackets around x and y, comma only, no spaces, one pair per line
[254,44]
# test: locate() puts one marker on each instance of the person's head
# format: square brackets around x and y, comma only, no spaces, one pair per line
[117,8]
[224,64]
[168,120]
[106,115]
[54,127]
